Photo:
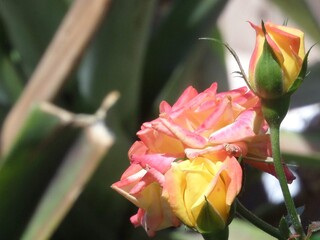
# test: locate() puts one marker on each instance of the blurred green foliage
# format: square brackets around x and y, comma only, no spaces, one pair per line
[147,50]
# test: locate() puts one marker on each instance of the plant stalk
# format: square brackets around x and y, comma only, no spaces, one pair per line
[258,222]
[275,144]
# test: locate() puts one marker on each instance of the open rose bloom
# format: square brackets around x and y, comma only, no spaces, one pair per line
[186,161]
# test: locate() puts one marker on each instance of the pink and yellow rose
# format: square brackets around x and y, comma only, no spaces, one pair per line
[201,190]
[140,186]
[187,159]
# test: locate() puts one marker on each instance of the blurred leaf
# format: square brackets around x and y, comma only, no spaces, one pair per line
[187,21]
[301,148]
[115,60]
[10,82]
[27,168]
[299,11]
[305,94]
[238,230]
[57,63]
[76,169]
[242,230]
[203,66]
[30,25]
[315,237]
[100,212]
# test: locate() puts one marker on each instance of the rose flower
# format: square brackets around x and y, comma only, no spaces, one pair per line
[185,165]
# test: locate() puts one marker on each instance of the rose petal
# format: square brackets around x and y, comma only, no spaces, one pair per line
[269,168]
[185,136]
[160,162]
[243,127]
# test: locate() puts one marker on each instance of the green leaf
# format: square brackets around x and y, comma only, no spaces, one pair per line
[315,237]
[10,81]
[57,63]
[301,148]
[203,66]
[31,25]
[284,228]
[100,212]
[178,33]
[115,60]
[26,170]
[76,169]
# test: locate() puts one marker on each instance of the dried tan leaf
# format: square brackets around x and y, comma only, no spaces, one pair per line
[63,53]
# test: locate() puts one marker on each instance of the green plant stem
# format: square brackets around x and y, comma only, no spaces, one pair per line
[258,222]
[275,144]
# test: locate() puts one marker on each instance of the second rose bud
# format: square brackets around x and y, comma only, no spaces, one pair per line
[277,63]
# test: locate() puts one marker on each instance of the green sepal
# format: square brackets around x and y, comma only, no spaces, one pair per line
[232,212]
[268,74]
[284,228]
[209,220]
[219,235]
[303,72]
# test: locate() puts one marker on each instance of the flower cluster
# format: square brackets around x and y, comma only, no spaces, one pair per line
[185,167]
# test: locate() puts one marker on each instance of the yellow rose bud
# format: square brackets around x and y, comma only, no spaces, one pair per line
[201,191]
[278,60]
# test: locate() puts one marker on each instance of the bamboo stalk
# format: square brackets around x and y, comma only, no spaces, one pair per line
[63,53]
[75,170]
